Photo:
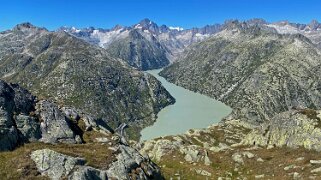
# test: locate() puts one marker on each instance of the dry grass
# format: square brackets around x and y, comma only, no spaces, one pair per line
[223,166]
[18,165]
[275,160]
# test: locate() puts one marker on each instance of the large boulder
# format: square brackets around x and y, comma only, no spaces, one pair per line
[55,127]
[15,125]
[53,164]
[129,159]
[129,165]
[88,173]
[156,149]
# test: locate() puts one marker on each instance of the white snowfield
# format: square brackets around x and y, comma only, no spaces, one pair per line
[176,28]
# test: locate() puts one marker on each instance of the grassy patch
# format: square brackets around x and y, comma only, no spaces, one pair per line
[18,165]
[174,165]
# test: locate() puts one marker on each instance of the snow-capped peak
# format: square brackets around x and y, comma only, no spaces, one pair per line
[75,29]
[176,28]
[138,26]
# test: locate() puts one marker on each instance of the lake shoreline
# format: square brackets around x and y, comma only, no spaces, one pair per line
[190,111]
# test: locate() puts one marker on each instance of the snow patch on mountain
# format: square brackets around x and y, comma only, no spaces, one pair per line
[286,29]
[138,26]
[176,28]
[105,38]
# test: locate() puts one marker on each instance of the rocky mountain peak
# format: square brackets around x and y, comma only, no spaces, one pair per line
[231,24]
[251,27]
[164,29]
[283,22]
[314,24]
[147,24]
[90,29]
[117,27]
[27,26]
[256,21]
[209,29]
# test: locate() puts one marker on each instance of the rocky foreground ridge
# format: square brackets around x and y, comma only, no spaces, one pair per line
[41,140]
[58,142]
[288,147]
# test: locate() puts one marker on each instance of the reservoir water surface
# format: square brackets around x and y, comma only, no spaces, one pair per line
[191,110]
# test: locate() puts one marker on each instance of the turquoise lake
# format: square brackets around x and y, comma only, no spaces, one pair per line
[191,110]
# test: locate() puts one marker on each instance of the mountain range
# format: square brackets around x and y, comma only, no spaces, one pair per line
[91,68]
[146,45]
[253,69]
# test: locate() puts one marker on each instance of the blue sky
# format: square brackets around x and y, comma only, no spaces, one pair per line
[184,13]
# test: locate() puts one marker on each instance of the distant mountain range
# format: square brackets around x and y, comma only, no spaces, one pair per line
[146,45]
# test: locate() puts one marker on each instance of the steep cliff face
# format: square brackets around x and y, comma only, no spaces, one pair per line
[138,51]
[8,132]
[63,68]
[256,71]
